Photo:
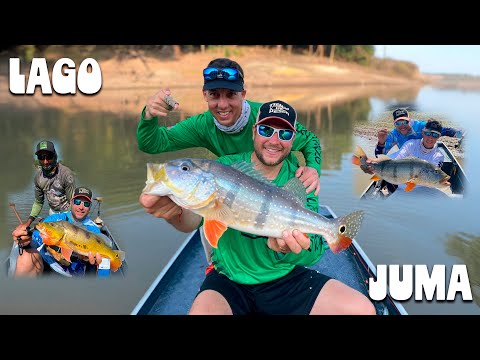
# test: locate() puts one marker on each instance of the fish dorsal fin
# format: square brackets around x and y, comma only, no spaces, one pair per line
[250,170]
[414,158]
[295,187]
[383,157]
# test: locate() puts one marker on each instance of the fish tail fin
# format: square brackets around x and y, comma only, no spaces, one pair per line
[345,228]
[359,157]
[115,264]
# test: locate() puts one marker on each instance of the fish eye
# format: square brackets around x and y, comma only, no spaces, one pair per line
[185,167]
[342,229]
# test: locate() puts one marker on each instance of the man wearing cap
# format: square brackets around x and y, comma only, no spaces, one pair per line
[405,129]
[224,129]
[252,274]
[35,254]
[53,181]
[425,148]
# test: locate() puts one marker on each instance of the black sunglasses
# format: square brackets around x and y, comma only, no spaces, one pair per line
[48,156]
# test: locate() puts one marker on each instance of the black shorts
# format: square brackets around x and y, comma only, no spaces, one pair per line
[293,294]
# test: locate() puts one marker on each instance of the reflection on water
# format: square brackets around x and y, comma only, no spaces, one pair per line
[100,146]
[467,247]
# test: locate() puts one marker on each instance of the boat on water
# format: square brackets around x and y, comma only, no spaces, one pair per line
[174,289]
[382,189]
[12,258]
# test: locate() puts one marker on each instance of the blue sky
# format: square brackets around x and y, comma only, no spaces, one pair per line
[449,59]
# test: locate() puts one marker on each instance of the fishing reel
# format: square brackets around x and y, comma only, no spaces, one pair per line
[98,221]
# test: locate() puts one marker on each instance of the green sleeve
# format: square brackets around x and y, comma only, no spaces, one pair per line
[154,139]
[317,247]
[38,202]
[309,145]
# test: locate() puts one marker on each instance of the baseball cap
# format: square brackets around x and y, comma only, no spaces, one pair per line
[45,145]
[82,191]
[400,114]
[434,125]
[228,75]
[278,109]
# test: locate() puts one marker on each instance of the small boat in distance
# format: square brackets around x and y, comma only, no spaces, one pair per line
[174,289]
[382,189]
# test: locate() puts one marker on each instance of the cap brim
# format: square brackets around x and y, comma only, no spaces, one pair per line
[276,118]
[39,151]
[223,84]
[84,196]
[401,118]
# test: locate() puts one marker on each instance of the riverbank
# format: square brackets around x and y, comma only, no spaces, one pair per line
[129,82]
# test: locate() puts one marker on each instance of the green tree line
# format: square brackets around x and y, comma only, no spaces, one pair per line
[359,54]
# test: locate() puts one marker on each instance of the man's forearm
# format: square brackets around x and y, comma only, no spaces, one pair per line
[186,222]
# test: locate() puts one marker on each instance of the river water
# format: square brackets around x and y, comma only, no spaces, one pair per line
[100,146]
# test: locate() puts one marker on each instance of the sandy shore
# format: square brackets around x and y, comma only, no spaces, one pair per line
[128,83]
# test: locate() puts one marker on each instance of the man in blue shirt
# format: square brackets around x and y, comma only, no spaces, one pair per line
[405,129]
[35,255]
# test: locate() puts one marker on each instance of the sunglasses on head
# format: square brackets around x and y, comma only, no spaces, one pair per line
[268,132]
[48,156]
[77,202]
[229,74]
[401,122]
[431,133]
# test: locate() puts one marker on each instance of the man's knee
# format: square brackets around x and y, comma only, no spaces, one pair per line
[30,263]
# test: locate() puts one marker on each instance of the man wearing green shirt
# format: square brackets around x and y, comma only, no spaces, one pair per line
[224,129]
[258,275]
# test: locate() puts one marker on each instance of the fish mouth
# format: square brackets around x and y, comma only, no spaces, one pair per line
[445,179]
[155,173]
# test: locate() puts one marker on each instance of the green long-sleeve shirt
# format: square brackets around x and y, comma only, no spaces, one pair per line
[246,258]
[200,131]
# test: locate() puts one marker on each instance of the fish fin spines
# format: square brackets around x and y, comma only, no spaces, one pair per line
[213,230]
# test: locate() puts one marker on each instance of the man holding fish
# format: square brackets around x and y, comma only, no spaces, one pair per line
[224,129]
[240,199]
[35,255]
[417,163]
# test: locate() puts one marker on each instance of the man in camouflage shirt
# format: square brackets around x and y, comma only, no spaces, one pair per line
[54,181]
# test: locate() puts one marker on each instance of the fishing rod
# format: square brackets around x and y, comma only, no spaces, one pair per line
[28,228]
